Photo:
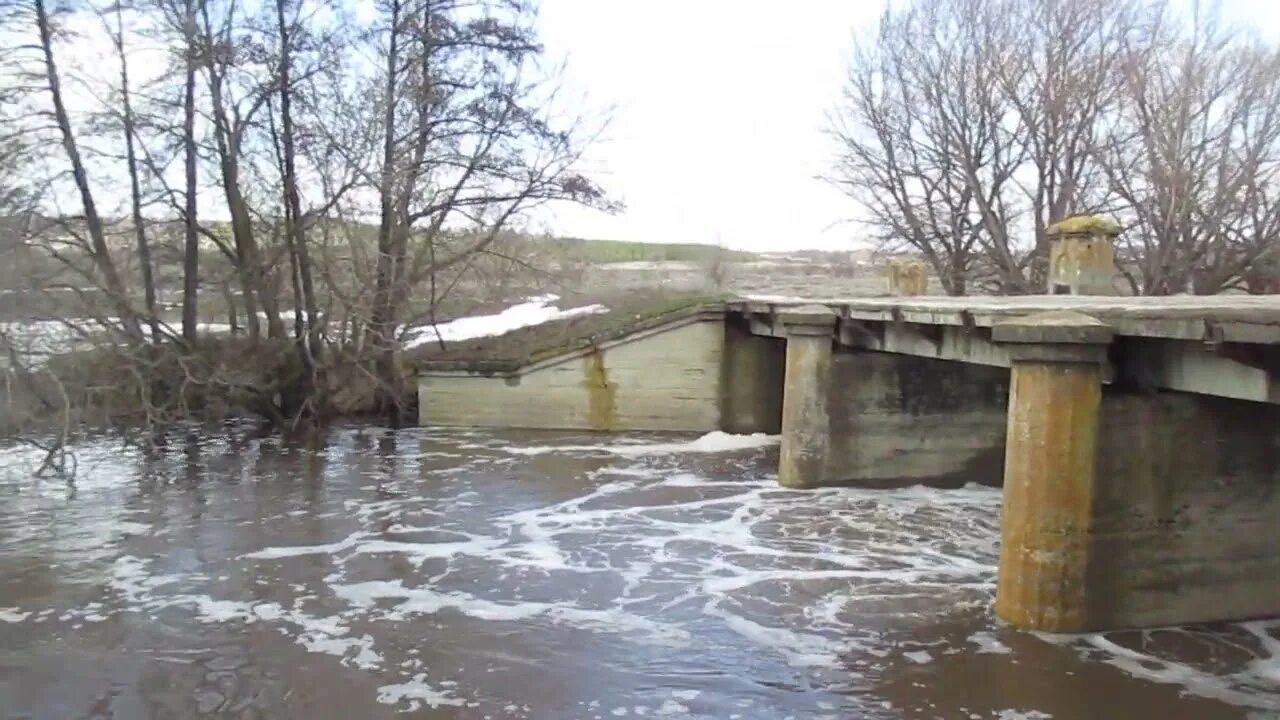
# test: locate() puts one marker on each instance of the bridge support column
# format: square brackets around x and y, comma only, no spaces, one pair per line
[806,423]
[1050,472]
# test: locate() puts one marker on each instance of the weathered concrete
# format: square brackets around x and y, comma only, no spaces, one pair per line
[806,424]
[1184,513]
[1050,469]
[907,277]
[1140,487]
[1213,318]
[1082,256]
[1226,346]
[751,381]
[666,378]
[900,420]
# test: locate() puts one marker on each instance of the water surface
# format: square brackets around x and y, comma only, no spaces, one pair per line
[452,574]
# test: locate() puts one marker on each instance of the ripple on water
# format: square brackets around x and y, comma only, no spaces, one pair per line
[661,554]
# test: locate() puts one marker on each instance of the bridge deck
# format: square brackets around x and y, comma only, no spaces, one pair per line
[1221,318]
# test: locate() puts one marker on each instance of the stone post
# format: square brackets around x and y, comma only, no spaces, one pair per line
[1049,468]
[907,277]
[1082,259]
[806,424]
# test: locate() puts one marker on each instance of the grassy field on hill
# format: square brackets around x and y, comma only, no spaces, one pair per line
[611,251]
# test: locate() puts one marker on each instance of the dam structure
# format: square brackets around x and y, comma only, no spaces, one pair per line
[1137,439]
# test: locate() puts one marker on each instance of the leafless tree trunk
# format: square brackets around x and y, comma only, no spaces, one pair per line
[381,328]
[190,222]
[230,124]
[99,251]
[135,186]
[306,315]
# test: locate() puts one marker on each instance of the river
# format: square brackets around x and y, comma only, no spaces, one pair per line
[463,574]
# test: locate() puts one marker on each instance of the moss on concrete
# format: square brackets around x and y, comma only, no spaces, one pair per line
[509,352]
[602,399]
[1086,225]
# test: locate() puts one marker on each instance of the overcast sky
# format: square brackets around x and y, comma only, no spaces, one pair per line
[717,131]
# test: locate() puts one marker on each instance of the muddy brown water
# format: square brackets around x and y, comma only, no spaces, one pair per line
[451,574]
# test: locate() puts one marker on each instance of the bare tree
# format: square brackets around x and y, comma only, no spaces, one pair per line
[190,221]
[128,126]
[920,136]
[1193,160]
[376,192]
[466,140]
[236,96]
[96,245]
[969,127]
[1059,75]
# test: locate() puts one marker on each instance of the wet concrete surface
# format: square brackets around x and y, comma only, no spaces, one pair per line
[452,574]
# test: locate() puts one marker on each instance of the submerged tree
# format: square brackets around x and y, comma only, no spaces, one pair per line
[354,165]
[467,146]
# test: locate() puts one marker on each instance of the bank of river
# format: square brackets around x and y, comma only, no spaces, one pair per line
[451,574]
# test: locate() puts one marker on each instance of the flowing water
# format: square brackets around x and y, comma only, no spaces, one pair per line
[451,574]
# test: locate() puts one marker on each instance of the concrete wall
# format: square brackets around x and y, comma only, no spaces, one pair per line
[752,380]
[901,420]
[1186,511]
[668,380]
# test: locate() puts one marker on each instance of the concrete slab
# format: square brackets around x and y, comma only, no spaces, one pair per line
[1215,318]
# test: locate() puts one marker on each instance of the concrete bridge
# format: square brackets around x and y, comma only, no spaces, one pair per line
[1137,439]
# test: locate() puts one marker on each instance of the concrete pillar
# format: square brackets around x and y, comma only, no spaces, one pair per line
[1082,259]
[806,424]
[1049,468]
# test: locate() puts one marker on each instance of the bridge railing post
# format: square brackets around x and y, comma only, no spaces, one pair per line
[1050,468]
[806,422]
[1082,258]
[906,278]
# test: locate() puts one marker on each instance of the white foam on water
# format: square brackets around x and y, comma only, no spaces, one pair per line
[1253,686]
[919,657]
[426,601]
[134,528]
[800,649]
[132,580]
[13,615]
[741,556]
[637,471]
[210,610]
[988,643]
[421,552]
[275,553]
[1266,669]
[671,707]
[130,577]
[712,442]
[737,559]
[418,692]
[668,555]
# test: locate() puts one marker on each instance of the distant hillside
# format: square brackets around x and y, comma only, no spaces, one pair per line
[609,251]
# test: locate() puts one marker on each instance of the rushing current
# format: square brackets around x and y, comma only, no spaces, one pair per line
[464,574]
